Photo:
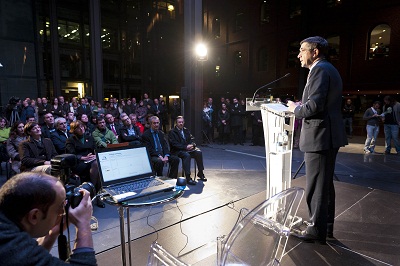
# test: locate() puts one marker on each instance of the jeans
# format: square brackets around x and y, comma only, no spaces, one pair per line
[348,121]
[391,133]
[372,135]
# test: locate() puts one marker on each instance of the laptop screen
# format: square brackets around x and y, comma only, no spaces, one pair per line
[123,164]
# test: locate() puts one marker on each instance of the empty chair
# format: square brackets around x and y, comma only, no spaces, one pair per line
[260,237]
[160,257]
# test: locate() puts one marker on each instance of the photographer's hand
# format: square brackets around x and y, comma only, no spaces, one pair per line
[80,217]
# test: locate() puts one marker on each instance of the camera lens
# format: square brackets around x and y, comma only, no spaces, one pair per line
[90,188]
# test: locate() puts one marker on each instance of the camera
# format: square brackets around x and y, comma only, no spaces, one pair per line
[61,167]
[13,100]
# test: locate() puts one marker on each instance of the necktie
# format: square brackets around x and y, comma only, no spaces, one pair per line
[113,129]
[183,135]
[157,142]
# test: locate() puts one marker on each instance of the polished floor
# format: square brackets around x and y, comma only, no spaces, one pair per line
[367,223]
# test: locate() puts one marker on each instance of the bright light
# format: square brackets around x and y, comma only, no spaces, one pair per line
[171,8]
[201,52]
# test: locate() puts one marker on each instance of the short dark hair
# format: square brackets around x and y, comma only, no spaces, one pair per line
[25,192]
[317,42]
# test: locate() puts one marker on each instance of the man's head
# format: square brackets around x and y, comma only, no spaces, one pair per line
[44,100]
[126,121]
[70,116]
[30,118]
[133,100]
[376,105]
[180,122]
[109,118]
[60,124]
[84,118]
[101,123]
[83,101]
[154,122]
[155,101]
[61,99]
[312,49]
[33,201]
[348,101]
[49,119]
[235,100]
[133,118]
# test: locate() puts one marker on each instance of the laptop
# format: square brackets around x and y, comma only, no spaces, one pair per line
[126,173]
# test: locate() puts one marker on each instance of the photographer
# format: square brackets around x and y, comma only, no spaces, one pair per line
[182,145]
[32,206]
[13,109]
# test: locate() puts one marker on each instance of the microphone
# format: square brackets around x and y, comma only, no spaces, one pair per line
[262,87]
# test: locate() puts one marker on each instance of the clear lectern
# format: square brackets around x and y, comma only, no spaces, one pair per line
[278,124]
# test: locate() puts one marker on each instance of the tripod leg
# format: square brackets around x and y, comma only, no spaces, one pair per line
[298,170]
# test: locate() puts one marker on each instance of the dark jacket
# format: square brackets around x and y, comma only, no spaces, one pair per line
[17,247]
[148,139]
[237,113]
[46,131]
[75,146]
[322,127]
[124,135]
[177,142]
[58,138]
[29,153]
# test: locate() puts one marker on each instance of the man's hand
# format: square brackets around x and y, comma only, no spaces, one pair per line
[88,157]
[190,147]
[292,105]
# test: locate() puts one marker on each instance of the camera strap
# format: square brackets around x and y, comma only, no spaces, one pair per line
[64,249]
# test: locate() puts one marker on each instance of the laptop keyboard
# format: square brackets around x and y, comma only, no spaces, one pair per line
[137,185]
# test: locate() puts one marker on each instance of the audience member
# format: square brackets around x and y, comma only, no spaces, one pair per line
[17,136]
[372,115]
[183,145]
[48,126]
[129,132]
[4,130]
[236,120]
[102,135]
[158,149]
[31,208]
[63,105]
[43,109]
[141,113]
[114,127]
[391,117]
[348,114]
[89,127]
[83,145]
[55,108]
[36,152]
[60,136]
[136,123]
[27,110]
[223,124]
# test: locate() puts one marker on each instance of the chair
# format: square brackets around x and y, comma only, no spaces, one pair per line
[117,145]
[260,237]
[158,256]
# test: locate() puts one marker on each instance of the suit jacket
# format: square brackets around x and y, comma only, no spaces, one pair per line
[29,153]
[59,139]
[46,132]
[86,110]
[322,126]
[124,135]
[148,139]
[75,146]
[177,142]
[117,127]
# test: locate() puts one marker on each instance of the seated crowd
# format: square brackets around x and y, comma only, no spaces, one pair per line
[80,129]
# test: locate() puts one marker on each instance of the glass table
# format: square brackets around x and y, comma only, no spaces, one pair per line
[123,207]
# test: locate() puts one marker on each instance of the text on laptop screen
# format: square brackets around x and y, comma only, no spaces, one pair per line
[124,163]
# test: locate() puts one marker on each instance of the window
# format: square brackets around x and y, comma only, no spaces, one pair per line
[379,42]
[334,43]
[265,11]
[69,32]
[239,21]
[216,28]
[262,59]
[293,51]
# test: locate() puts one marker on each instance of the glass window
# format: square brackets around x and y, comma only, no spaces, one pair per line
[265,11]
[294,8]
[262,59]
[239,21]
[109,39]
[379,42]
[69,32]
[334,43]
[293,51]
[216,28]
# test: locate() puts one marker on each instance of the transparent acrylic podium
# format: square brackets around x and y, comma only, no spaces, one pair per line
[278,124]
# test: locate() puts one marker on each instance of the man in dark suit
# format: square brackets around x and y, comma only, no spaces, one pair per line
[48,126]
[84,108]
[183,146]
[43,108]
[129,132]
[111,125]
[322,135]
[158,149]
[36,152]
[60,136]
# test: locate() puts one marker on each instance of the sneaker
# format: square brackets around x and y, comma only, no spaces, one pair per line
[367,151]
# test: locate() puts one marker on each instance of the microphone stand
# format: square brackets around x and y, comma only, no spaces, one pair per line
[262,87]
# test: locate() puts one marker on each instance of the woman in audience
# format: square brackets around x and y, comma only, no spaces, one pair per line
[17,135]
[82,145]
